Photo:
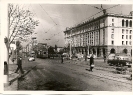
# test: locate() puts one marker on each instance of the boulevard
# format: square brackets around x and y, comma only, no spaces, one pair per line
[73,75]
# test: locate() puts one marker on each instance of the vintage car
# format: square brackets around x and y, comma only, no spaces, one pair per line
[119,60]
[31,58]
[88,56]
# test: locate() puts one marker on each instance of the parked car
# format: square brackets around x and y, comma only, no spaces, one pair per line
[119,60]
[31,58]
[88,56]
[79,55]
[65,55]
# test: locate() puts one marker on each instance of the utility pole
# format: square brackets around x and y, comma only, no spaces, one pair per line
[33,42]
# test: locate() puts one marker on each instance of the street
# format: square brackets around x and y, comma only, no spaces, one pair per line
[73,75]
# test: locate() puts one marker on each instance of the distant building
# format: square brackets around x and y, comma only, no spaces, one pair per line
[109,33]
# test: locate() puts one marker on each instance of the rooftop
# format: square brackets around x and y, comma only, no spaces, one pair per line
[102,16]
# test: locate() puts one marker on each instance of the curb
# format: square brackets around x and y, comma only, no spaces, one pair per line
[11,81]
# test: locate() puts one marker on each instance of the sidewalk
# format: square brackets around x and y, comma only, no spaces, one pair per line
[13,77]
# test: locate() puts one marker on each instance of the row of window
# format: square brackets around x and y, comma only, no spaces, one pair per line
[123,42]
[123,31]
[127,36]
[127,42]
[130,36]
[127,23]
[124,23]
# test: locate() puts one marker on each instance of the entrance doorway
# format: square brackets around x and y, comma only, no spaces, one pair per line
[112,50]
[103,51]
[94,51]
[98,52]
[125,51]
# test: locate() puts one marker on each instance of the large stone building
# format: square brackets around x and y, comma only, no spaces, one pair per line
[109,33]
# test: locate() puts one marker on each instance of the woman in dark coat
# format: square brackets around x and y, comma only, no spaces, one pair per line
[91,62]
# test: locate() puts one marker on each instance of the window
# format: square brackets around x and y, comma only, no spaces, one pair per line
[112,30]
[130,31]
[126,42]
[122,42]
[126,23]
[123,22]
[122,36]
[130,42]
[112,42]
[130,23]
[112,36]
[126,31]
[126,36]
[112,20]
[112,24]
[130,37]
[122,31]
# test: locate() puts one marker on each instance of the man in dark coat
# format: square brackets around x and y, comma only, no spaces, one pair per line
[104,58]
[19,63]
[62,58]
[91,62]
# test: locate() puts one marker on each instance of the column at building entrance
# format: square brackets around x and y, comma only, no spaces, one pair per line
[101,50]
[88,50]
[96,52]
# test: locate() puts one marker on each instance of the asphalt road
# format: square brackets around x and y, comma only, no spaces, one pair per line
[51,74]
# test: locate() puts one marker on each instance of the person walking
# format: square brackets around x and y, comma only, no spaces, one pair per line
[104,58]
[91,62]
[62,58]
[19,63]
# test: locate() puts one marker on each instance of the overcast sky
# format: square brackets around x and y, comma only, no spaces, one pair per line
[54,18]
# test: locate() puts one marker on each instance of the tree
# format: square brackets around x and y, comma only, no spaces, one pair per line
[21,23]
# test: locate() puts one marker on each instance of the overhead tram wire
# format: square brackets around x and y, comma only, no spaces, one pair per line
[61,31]
[109,26]
[48,15]
[91,16]
[50,28]
[41,24]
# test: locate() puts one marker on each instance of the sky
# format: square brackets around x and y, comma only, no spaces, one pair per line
[54,18]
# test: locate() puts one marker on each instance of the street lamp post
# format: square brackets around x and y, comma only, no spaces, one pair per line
[33,42]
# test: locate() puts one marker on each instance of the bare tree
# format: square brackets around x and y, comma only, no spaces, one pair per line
[21,23]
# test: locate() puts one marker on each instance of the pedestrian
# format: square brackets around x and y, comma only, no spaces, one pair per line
[104,58]
[62,58]
[19,63]
[91,62]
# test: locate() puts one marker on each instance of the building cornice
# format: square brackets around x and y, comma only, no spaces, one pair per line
[98,18]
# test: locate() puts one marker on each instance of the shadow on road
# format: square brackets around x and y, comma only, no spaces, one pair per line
[56,86]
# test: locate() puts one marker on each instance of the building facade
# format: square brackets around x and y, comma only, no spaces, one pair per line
[109,33]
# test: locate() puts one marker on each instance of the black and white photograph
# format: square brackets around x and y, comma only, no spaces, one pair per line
[67,47]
